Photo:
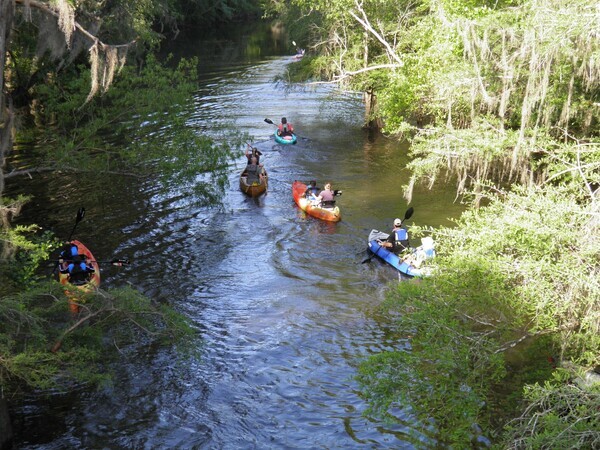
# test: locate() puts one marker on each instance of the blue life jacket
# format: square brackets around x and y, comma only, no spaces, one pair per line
[400,240]
[69,252]
[401,235]
[82,266]
[79,272]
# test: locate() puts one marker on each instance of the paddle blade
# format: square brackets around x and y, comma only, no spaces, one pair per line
[368,258]
[120,262]
[80,214]
[409,213]
[269,121]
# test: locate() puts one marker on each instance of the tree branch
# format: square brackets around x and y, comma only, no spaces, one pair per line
[48,9]
[28,172]
[364,21]
[57,345]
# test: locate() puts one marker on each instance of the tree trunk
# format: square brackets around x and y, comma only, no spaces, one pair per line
[370,99]
[6,435]
[7,9]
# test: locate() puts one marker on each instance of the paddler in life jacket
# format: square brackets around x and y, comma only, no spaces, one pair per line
[397,241]
[312,191]
[285,128]
[254,172]
[75,265]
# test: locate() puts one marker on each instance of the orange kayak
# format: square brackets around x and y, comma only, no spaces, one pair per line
[92,283]
[311,208]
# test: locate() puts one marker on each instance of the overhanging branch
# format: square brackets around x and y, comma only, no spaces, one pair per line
[364,21]
[104,59]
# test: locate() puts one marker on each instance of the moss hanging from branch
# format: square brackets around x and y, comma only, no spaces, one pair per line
[521,77]
[105,59]
[66,19]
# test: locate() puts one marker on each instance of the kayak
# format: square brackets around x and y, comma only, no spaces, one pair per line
[92,283]
[288,139]
[312,209]
[408,265]
[253,189]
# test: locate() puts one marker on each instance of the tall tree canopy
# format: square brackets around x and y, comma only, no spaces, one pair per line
[446,72]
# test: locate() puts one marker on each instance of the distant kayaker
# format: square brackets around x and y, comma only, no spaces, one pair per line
[285,128]
[398,239]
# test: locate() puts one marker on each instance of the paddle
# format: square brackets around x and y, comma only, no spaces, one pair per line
[258,152]
[114,261]
[79,218]
[407,215]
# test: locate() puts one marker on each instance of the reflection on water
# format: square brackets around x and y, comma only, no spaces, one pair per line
[283,306]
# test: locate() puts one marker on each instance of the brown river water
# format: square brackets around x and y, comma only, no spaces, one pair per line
[283,306]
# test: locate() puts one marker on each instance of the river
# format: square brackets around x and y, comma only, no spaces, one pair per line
[284,308]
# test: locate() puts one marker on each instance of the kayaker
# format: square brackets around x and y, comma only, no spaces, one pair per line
[69,250]
[312,191]
[75,265]
[253,151]
[285,128]
[397,241]
[326,196]
[254,172]
[79,271]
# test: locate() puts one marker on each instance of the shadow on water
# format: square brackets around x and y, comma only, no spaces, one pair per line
[283,306]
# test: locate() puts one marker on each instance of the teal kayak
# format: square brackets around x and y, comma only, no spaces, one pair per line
[288,139]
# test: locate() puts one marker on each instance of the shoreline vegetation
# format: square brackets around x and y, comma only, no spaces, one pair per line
[491,98]
[485,91]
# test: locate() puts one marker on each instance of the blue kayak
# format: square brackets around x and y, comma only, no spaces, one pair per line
[402,265]
[288,139]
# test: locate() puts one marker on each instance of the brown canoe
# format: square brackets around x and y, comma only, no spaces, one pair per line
[256,188]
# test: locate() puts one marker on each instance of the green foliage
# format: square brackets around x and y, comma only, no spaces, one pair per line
[199,13]
[123,21]
[22,249]
[146,111]
[31,249]
[523,267]
[439,377]
[562,413]
[484,87]
[36,321]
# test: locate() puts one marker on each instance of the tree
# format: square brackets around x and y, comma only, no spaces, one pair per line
[75,106]
[63,17]
[444,72]
[515,284]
